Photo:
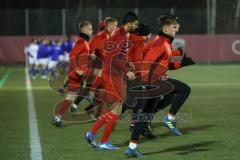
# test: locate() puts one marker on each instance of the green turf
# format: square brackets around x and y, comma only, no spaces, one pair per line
[4,74]
[3,70]
[14,134]
[209,121]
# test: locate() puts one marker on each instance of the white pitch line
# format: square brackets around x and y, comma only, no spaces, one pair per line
[35,145]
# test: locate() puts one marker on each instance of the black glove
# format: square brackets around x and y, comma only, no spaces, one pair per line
[187,61]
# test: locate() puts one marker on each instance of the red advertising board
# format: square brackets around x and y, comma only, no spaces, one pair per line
[203,48]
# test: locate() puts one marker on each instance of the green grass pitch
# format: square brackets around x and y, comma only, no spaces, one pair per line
[209,121]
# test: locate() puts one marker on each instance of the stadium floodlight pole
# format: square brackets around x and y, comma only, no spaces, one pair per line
[26,22]
[172,10]
[136,10]
[208,16]
[99,15]
[237,15]
[208,23]
[213,16]
[64,21]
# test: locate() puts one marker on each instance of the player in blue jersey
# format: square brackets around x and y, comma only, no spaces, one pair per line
[42,57]
[54,57]
[68,47]
[61,58]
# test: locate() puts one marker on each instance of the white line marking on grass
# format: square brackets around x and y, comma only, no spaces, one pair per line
[35,145]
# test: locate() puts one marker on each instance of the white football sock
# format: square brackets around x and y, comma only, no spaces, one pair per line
[74,105]
[91,94]
[171,117]
[132,145]
[58,118]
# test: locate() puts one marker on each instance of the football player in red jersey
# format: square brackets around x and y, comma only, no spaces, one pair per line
[116,68]
[159,52]
[98,54]
[78,61]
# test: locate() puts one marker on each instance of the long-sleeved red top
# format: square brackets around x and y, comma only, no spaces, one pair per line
[117,48]
[135,53]
[97,43]
[159,53]
[97,47]
[79,56]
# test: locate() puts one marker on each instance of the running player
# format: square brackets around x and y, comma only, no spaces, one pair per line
[97,51]
[160,53]
[77,70]
[115,69]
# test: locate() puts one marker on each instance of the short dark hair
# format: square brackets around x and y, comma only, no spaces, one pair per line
[130,17]
[33,39]
[143,30]
[83,24]
[166,19]
[68,36]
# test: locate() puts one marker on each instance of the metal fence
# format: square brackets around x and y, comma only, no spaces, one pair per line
[213,18]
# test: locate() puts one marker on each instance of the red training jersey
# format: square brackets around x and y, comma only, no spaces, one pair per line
[117,48]
[159,52]
[97,43]
[79,57]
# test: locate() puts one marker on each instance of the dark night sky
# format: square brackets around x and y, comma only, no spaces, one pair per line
[19,4]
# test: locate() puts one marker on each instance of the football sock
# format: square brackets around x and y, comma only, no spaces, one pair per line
[137,130]
[111,121]
[44,72]
[132,144]
[35,71]
[57,118]
[74,106]
[65,104]
[78,100]
[99,123]
[171,116]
